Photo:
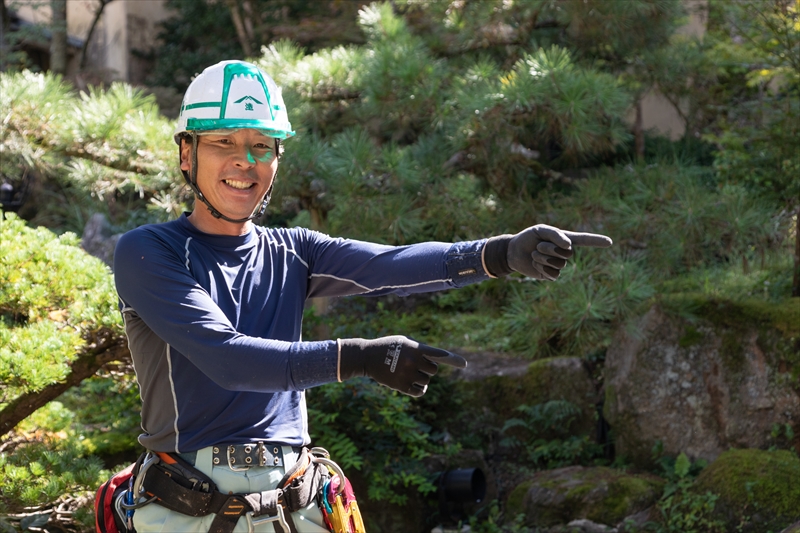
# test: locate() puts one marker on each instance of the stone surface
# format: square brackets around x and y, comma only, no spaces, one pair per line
[587,526]
[702,386]
[602,495]
[500,385]
[99,240]
[758,488]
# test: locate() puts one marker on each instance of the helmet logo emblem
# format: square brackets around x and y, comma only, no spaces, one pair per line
[248,102]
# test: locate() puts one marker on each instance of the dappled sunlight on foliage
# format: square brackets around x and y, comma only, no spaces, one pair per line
[445,120]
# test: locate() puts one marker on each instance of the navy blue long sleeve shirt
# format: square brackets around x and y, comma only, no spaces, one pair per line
[214,322]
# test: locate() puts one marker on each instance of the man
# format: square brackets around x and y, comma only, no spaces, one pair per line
[213,304]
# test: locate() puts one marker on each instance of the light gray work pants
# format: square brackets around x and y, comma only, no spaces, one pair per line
[154,518]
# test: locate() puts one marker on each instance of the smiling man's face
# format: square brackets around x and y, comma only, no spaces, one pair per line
[234,171]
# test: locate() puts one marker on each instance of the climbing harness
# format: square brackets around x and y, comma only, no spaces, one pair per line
[168,480]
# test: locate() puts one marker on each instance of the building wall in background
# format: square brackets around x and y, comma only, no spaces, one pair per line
[127,33]
[658,113]
[124,34]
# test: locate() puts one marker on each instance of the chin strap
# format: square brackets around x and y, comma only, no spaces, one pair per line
[191,180]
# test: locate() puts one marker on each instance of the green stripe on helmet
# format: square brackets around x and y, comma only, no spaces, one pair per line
[202,104]
[264,126]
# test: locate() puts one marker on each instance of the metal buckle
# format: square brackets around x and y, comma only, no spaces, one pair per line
[232,460]
[279,518]
[319,451]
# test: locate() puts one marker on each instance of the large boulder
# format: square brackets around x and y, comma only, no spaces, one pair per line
[599,494]
[704,385]
[497,386]
[758,490]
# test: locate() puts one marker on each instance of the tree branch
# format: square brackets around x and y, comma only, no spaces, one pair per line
[335,95]
[107,345]
[124,166]
[491,40]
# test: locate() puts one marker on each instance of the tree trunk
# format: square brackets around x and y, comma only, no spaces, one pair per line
[107,347]
[58,41]
[241,31]
[5,28]
[97,15]
[638,132]
[796,278]
[247,9]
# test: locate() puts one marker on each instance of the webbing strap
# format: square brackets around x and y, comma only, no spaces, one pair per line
[173,495]
[226,518]
[264,502]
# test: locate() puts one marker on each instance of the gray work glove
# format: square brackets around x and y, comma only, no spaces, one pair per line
[539,252]
[398,362]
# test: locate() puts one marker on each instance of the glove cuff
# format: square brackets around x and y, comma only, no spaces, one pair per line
[495,256]
[351,358]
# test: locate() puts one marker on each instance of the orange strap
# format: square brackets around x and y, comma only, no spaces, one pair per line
[166,458]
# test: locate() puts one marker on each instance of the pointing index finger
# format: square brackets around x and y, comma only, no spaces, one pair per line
[594,240]
[437,355]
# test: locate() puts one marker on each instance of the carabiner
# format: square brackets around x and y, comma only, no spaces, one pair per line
[336,469]
[136,491]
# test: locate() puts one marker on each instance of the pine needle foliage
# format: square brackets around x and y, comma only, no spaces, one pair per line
[39,474]
[46,319]
[105,144]
[666,221]
[55,300]
[393,125]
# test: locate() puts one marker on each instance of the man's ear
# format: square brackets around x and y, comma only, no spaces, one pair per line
[186,154]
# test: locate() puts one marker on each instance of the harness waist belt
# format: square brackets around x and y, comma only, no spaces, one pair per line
[178,486]
[241,456]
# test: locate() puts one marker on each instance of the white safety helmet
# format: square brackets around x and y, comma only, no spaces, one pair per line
[233,95]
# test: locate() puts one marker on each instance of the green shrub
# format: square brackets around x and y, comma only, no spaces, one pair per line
[53,298]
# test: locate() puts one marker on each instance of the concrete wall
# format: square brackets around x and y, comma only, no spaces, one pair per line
[125,26]
[657,112]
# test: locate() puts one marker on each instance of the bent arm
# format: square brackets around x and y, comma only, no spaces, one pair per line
[153,281]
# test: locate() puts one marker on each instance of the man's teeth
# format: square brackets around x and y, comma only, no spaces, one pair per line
[239,184]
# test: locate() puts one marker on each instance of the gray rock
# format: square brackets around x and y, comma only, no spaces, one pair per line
[700,387]
[500,385]
[587,526]
[599,494]
[98,239]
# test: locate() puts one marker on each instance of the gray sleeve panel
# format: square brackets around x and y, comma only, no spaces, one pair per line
[152,363]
